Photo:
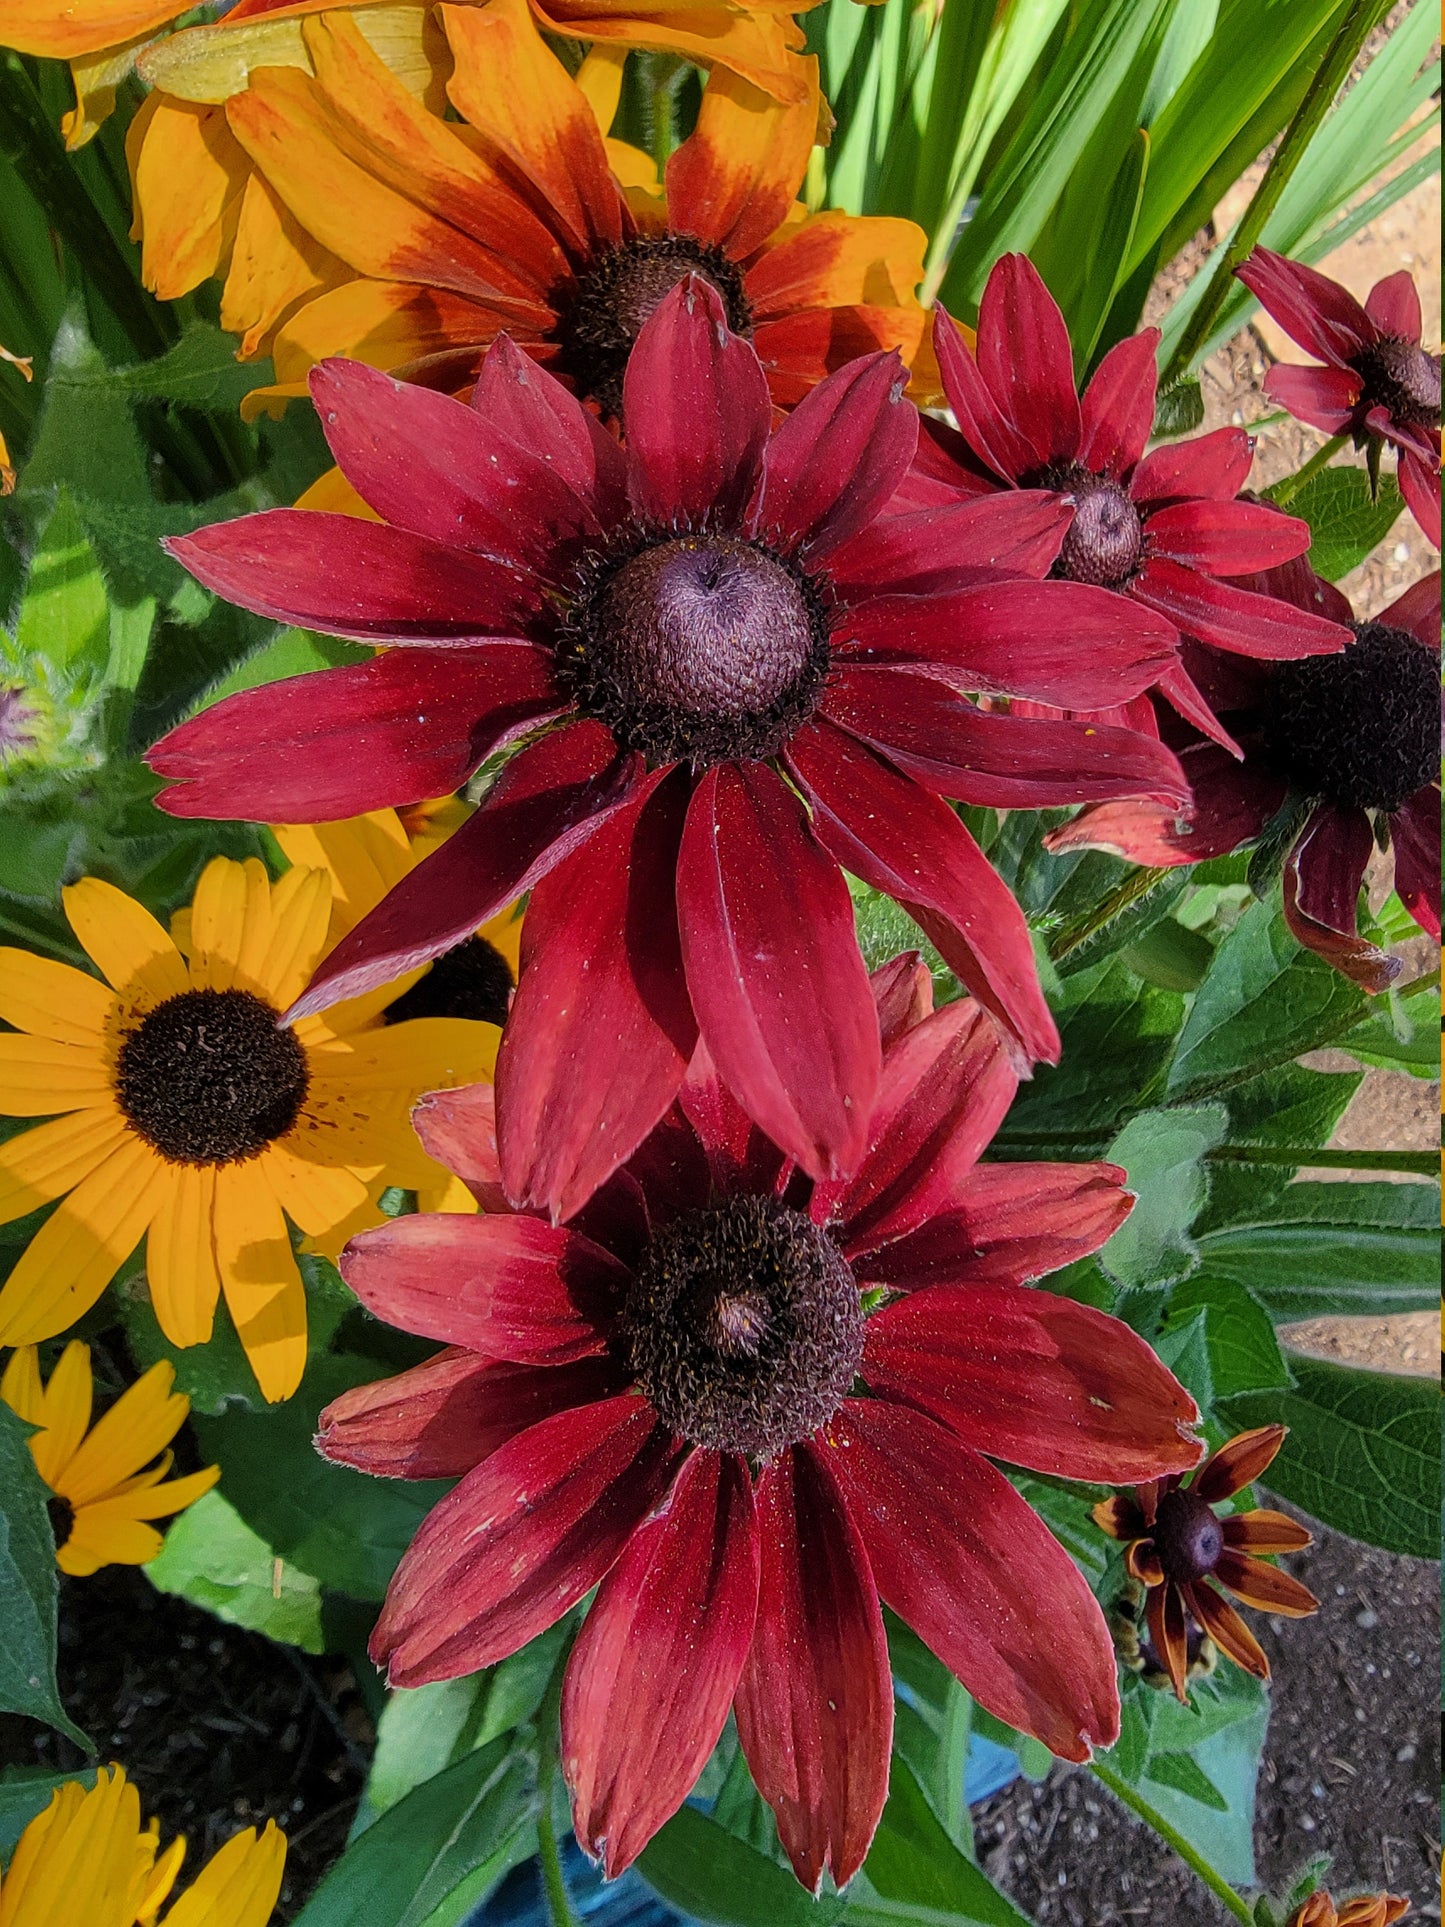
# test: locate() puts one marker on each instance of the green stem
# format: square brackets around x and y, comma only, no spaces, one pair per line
[1138,884]
[1284,492]
[1137,1804]
[1417,1163]
[559,1903]
[1358,24]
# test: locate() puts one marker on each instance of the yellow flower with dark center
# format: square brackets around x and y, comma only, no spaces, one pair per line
[86,1861]
[1366,1910]
[194,1118]
[106,1487]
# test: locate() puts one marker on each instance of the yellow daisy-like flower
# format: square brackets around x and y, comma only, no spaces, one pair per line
[101,1475]
[86,1861]
[195,1119]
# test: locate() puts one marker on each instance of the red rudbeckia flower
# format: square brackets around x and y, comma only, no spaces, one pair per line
[1378,384]
[717,629]
[1160,529]
[1354,737]
[745,1408]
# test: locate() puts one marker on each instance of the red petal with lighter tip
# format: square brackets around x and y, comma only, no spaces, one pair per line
[815,1702]
[1037,1380]
[459,1129]
[839,456]
[1322,878]
[653,1672]
[773,966]
[979,1577]
[524,401]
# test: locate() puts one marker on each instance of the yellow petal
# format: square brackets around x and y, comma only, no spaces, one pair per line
[124,942]
[20,1385]
[77,1251]
[64,1413]
[39,1077]
[142,1421]
[751,42]
[163,1878]
[735,177]
[103,1536]
[504,933]
[95,78]
[63,32]
[275,265]
[188,179]
[53,1000]
[83,1859]
[157,1500]
[600,79]
[634,169]
[263,1288]
[239,1886]
[181,1256]
[330,491]
[364,857]
[314,1196]
[301,914]
[228,896]
[450,1196]
[40,1164]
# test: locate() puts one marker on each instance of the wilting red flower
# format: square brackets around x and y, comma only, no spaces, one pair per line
[745,1408]
[1354,737]
[709,624]
[1161,529]
[1182,1552]
[1365,1910]
[1379,383]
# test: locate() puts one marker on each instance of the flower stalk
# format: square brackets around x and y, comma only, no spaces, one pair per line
[1192,1858]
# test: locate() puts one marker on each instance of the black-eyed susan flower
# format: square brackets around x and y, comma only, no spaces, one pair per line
[1365,1910]
[87,1859]
[193,1118]
[108,1479]
[1183,1552]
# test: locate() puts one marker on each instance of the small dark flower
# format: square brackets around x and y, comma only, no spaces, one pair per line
[1379,383]
[1183,1552]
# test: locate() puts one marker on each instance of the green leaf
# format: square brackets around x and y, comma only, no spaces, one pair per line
[1180,409]
[1163,1153]
[86,438]
[1244,1354]
[1346,525]
[24,1792]
[64,617]
[710,1875]
[291,653]
[212,1557]
[1285,1110]
[1183,1772]
[914,1873]
[1363,1452]
[199,371]
[343,1528]
[29,1589]
[1361,1250]
[401,1870]
[417,1737]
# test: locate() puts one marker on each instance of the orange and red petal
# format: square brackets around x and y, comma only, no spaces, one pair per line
[69,32]
[758,42]
[733,181]
[1120,1516]
[1168,1632]
[1238,1463]
[1143,1563]
[1264,1531]
[1264,1587]
[189,178]
[1225,1627]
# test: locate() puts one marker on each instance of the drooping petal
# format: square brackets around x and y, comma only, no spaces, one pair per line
[1264,1587]
[1226,538]
[734,179]
[1318,313]
[1322,877]
[547,801]
[1232,803]
[1245,1458]
[1025,357]
[697,409]
[1225,1627]
[1415,836]
[510,1288]
[773,967]
[987,428]
[1420,486]
[1215,466]
[407,725]
[833,464]
[930,550]
[1325,398]
[653,1671]
[1418,611]
[459,1129]
[905,841]
[1118,405]
[978,1576]
[1035,1379]
[815,1701]
[601,1028]
[522,1538]
[1169,1634]
[1228,617]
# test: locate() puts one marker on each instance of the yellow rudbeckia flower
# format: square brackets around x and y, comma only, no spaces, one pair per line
[86,1862]
[101,1475]
[194,1118]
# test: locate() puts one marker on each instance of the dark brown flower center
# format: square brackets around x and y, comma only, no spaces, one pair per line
[209,1077]
[696,648]
[1361,728]
[1402,378]
[743,1326]
[473,980]
[1187,1537]
[61,1514]
[603,313]
[1105,542]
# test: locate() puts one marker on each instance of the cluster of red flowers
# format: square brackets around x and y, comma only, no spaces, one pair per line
[745,1311]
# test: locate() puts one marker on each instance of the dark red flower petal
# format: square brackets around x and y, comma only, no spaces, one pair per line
[836,460]
[522,400]
[1418,611]
[1118,405]
[1228,617]
[406,725]
[1015,531]
[1232,803]
[1037,1380]
[1012,1223]
[1324,397]
[905,841]
[447,1414]
[547,801]
[1322,878]
[507,1287]
[601,1028]
[1318,313]
[1215,466]
[1025,357]
[774,970]
[696,403]
[815,1701]
[1062,643]
[1415,834]
[459,1129]
[1394,306]
[351,577]
[903,993]
[1004,761]
[1226,538]
[522,1538]
[428,463]
[731,1153]
[978,1576]
[649,1682]
[986,426]
[1420,486]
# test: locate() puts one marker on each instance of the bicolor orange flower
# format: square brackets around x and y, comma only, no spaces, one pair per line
[1183,1552]
[373,228]
[190,1117]
[1366,1910]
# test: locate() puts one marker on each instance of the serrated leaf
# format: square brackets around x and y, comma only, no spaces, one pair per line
[29,1589]
[212,1557]
[1361,1250]
[1163,1153]
[1346,524]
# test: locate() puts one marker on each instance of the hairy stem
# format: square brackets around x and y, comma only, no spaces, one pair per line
[1285,491]
[559,1903]
[1137,1804]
